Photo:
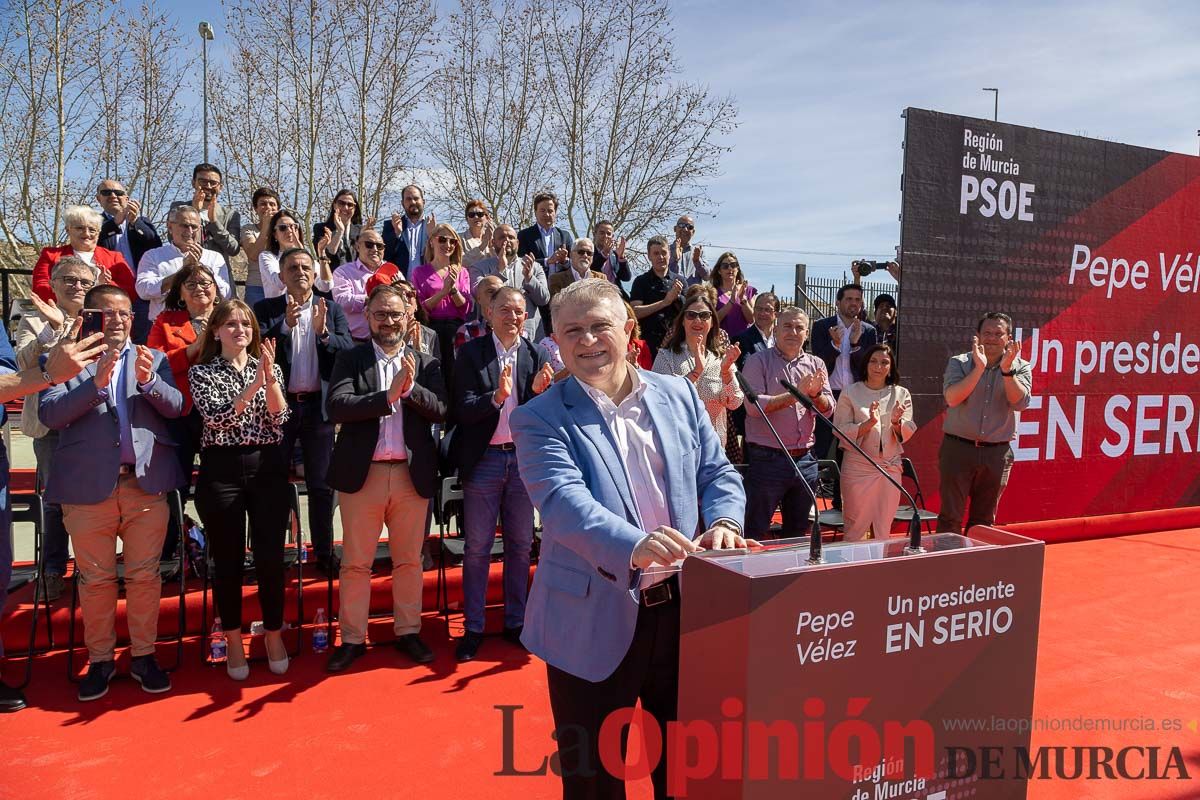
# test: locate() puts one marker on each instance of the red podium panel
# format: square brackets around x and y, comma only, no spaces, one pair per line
[875,675]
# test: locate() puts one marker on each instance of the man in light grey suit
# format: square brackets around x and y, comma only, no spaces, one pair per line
[113,467]
[626,469]
[524,274]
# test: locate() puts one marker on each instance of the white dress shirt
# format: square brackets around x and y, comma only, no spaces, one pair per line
[305,375]
[390,446]
[503,434]
[642,460]
[162,262]
[272,283]
[842,375]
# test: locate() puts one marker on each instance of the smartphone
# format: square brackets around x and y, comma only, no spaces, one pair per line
[93,322]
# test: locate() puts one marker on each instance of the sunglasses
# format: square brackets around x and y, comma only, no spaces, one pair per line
[686,226]
[347,204]
[287,226]
[476,214]
[112,192]
[373,245]
[447,240]
[692,316]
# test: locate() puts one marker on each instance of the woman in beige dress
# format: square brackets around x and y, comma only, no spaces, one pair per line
[876,412]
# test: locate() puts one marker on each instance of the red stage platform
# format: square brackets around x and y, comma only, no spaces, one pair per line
[1116,646]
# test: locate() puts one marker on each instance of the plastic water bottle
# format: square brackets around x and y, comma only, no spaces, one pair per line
[219,647]
[303,552]
[321,633]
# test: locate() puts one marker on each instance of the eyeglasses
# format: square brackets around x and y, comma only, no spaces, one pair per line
[692,316]
[447,240]
[347,204]
[476,214]
[112,192]
[287,226]
[195,286]
[583,252]
[389,316]
[71,280]
[687,226]
[208,184]
[372,245]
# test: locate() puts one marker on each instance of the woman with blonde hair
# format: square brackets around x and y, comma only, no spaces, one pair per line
[238,389]
[443,287]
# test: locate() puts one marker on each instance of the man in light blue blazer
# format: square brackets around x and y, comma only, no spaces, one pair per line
[114,464]
[629,477]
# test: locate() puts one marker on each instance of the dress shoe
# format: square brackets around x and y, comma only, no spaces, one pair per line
[278,667]
[411,645]
[11,699]
[95,683]
[468,646]
[513,636]
[343,656]
[54,586]
[237,673]
[145,670]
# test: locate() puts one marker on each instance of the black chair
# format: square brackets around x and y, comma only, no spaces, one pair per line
[27,507]
[166,569]
[450,504]
[905,513]
[292,557]
[829,474]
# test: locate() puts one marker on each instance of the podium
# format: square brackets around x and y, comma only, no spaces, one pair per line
[877,674]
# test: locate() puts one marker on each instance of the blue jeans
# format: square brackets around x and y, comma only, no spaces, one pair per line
[6,553]
[252,294]
[495,490]
[54,534]
[771,481]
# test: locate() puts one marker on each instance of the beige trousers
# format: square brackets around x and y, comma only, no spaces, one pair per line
[140,519]
[387,497]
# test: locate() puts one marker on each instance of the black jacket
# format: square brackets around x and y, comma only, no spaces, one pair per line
[357,402]
[273,311]
[476,376]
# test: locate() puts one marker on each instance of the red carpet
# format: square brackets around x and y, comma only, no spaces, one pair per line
[1117,641]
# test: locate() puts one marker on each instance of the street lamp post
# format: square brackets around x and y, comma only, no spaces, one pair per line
[206,36]
[995,102]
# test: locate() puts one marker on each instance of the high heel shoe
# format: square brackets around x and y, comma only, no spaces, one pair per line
[278,667]
[238,673]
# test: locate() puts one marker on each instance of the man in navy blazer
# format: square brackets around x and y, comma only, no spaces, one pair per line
[309,330]
[127,232]
[626,468]
[113,467]
[549,244]
[405,235]
[493,375]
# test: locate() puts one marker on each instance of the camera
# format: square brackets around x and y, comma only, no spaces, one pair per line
[865,267]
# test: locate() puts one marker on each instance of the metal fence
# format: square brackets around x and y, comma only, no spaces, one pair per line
[817,296]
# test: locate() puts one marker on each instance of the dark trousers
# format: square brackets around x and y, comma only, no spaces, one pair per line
[187,430]
[445,330]
[771,483]
[970,474]
[307,423]
[237,483]
[649,673]
[54,534]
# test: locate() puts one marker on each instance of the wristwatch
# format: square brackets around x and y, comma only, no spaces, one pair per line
[46,377]
[1008,374]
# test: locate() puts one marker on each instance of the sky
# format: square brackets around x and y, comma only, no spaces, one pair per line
[813,175]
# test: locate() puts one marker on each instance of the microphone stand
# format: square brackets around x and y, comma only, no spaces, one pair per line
[814,539]
[914,525]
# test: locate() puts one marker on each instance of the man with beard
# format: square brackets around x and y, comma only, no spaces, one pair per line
[386,397]
[522,273]
[405,235]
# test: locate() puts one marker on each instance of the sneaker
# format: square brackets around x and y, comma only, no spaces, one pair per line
[54,586]
[95,683]
[11,699]
[145,670]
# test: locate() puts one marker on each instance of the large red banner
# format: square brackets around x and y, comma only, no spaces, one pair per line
[1093,248]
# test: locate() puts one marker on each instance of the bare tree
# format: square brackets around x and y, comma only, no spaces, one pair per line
[487,132]
[633,144]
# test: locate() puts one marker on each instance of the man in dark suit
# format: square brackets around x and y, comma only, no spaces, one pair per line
[405,235]
[113,467]
[492,376]
[838,340]
[127,232]
[386,396]
[550,245]
[309,330]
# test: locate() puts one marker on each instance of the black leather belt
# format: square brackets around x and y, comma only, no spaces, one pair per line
[975,442]
[798,452]
[301,397]
[661,593]
[507,447]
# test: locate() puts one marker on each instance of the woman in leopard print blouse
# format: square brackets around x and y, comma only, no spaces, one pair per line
[238,389]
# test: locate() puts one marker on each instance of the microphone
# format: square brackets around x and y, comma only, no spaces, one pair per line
[814,539]
[914,525]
